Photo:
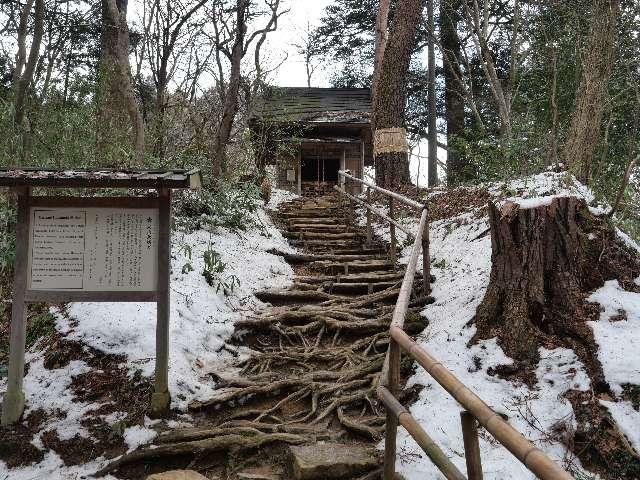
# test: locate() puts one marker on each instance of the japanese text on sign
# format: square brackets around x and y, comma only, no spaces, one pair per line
[93,249]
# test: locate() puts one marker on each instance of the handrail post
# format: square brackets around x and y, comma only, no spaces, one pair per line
[392,231]
[426,260]
[471,445]
[369,227]
[391,427]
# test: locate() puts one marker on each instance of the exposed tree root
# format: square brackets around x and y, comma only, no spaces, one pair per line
[293,296]
[316,354]
[249,439]
[231,394]
[361,428]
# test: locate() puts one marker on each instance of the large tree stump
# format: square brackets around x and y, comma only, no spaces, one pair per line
[542,266]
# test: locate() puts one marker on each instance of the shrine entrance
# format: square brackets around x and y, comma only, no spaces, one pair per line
[320,170]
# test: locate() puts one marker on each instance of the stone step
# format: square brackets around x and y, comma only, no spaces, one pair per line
[311,213]
[357,265]
[351,288]
[297,258]
[324,243]
[322,235]
[316,227]
[325,220]
[288,297]
[326,461]
[363,277]
[371,250]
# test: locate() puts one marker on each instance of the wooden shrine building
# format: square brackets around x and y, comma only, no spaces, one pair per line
[309,134]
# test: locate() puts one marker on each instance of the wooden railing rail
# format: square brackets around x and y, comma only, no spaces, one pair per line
[375,211]
[401,198]
[421,240]
[422,438]
[476,412]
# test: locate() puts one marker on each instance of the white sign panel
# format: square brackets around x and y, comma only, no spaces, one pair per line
[93,249]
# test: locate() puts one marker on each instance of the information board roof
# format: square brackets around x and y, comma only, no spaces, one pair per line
[99,178]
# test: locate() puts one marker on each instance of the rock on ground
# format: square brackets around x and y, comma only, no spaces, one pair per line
[331,460]
[258,476]
[177,475]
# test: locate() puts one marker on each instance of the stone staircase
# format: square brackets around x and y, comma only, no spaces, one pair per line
[302,405]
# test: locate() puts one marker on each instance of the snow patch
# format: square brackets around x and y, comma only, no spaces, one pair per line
[542,185]
[618,340]
[279,196]
[535,202]
[49,390]
[628,241]
[53,468]
[138,435]
[114,417]
[561,369]
[627,419]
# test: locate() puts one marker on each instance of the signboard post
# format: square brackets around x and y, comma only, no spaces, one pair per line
[104,249]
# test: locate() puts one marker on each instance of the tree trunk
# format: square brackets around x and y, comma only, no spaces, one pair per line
[25,67]
[553,100]
[458,168]
[230,106]
[392,164]
[478,25]
[541,270]
[117,106]
[431,94]
[382,23]
[159,148]
[591,96]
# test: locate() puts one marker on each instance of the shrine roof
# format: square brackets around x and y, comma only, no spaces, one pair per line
[315,105]
[99,178]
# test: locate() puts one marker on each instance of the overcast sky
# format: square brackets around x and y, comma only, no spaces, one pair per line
[292,72]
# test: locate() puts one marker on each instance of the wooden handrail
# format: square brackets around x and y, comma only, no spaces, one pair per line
[402,304]
[397,196]
[525,451]
[422,438]
[476,411]
[374,210]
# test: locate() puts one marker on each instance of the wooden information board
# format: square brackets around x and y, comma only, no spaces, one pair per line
[93,249]
[96,249]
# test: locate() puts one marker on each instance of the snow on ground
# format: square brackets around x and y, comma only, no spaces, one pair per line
[627,419]
[628,241]
[138,435]
[618,339]
[202,318]
[52,468]
[48,389]
[279,196]
[546,184]
[461,262]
